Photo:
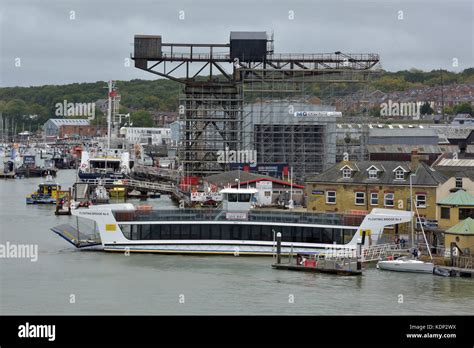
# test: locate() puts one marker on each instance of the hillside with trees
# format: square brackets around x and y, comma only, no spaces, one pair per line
[32,106]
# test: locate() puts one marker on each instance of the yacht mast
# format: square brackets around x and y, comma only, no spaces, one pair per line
[109,114]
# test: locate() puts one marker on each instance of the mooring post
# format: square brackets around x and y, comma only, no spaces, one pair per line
[279,247]
[360,243]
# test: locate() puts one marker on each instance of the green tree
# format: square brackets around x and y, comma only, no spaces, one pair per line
[426,109]
[16,108]
[448,110]
[463,108]
[141,118]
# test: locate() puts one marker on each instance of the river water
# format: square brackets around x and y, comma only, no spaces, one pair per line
[65,280]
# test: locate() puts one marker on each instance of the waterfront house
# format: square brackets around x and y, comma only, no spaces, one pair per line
[359,186]
[455,208]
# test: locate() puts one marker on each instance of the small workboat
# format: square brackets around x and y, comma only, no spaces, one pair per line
[47,193]
[118,191]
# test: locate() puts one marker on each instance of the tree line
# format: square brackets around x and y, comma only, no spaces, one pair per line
[33,106]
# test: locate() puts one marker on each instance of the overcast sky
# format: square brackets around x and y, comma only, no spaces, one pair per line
[55,49]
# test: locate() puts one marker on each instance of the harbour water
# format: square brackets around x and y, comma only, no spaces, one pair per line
[65,280]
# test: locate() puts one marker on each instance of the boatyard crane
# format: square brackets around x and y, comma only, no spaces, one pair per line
[212,106]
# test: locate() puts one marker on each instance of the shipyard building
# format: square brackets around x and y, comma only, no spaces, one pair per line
[298,134]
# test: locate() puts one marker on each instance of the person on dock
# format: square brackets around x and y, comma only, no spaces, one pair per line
[402,243]
[397,241]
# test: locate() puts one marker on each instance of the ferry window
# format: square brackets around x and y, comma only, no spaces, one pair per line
[232,197]
[145,232]
[175,232]
[317,234]
[225,230]
[458,182]
[236,231]
[331,197]
[337,236]
[185,230]
[360,198]
[267,234]
[388,199]
[244,197]
[374,198]
[244,235]
[421,201]
[297,234]
[126,231]
[326,235]
[205,232]
[165,232]
[348,234]
[155,231]
[255,235]
[307,235]
[215,232]
[445,213]
[196,232]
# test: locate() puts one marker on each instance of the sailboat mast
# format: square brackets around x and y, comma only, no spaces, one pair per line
[109,116]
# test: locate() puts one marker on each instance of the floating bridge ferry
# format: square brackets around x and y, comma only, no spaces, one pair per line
[235,229]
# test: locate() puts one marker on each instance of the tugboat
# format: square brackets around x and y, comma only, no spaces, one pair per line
[46,194]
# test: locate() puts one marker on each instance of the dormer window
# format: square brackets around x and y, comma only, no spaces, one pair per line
[346,173]
[373,172]
[399,173]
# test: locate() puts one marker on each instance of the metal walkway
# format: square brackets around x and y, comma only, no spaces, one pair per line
[134,185]
[369,254]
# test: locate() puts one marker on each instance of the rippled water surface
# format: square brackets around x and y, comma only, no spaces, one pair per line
[109,283]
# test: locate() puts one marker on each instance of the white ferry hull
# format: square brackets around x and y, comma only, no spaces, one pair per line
[222,247]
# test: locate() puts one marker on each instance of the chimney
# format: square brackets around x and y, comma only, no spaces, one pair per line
[416,159]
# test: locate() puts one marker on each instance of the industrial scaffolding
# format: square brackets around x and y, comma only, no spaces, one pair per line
[236,111]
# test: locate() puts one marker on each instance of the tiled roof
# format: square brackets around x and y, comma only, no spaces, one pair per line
[425,176]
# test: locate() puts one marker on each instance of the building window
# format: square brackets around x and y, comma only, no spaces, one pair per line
[331,197]
[373,174]
[399,174]
[388,199]
[360,198]
[445,213]
[421,201]
[346,173]
[465,213]
[374,198]
[458,182]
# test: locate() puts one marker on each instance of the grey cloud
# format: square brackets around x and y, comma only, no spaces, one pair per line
[57,50]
